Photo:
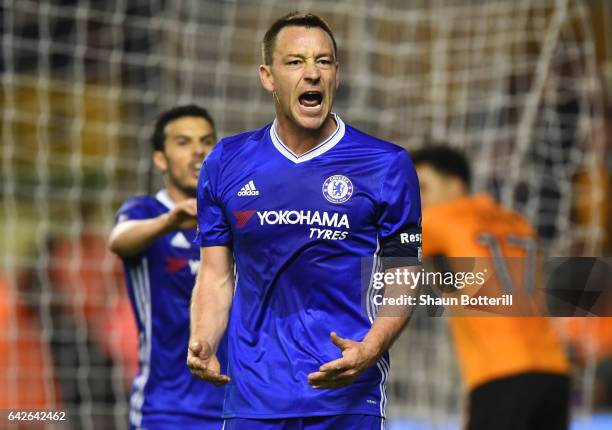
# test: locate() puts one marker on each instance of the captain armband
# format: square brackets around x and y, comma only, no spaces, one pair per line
[403,249]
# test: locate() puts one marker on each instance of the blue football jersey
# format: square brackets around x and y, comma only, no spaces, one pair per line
[160,281]
[299,228]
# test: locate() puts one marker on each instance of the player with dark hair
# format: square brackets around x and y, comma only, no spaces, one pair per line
[514,367]
[158,139]
[297,205]
[154,237]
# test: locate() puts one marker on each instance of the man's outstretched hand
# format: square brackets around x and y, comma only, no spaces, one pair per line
[356,357]
[204,364]
[184,215]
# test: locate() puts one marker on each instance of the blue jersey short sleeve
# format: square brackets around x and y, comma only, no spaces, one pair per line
[213,228]
[399,222]
[135,208]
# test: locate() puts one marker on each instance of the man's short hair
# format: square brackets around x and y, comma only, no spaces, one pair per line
[444,160]
[295,19]
[159,135]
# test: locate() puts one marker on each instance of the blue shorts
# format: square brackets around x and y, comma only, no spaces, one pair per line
[333,422]
[167,421]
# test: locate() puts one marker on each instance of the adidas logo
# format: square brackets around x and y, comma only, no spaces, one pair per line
[249,190]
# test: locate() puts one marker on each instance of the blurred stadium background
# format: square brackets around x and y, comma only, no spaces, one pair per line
[522,85]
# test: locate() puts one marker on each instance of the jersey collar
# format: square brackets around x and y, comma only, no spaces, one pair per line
[163,197]
[320,149]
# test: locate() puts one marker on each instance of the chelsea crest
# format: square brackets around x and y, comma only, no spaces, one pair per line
[337,189]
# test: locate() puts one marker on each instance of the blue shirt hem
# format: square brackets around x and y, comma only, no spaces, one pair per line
[298,414]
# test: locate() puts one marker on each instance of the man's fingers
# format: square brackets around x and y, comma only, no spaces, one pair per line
[200,350]
[327,377]
[192,210]
[337,365]
[191,207]
[195,347]
[199,369]
[338,341]
[217,379]
[194,363]
[186,208]
[325,380]
[317,377]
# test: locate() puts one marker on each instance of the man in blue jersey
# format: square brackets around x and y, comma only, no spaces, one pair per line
[154,237]
[297,206]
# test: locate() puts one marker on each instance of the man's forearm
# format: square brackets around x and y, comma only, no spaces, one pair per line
[391,320]
[384,331]
[210,305]
[131,237]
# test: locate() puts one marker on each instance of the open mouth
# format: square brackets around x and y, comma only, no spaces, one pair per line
[195,167]
[311,99]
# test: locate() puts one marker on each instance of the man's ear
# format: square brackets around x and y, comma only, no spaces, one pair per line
[266,78]
[457,187]
[160,161]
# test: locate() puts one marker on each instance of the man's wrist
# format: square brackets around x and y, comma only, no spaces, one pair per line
[205,339]
[209,347]
[374,346]
[166,223]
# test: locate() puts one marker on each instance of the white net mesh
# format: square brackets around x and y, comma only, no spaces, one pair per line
[515,83]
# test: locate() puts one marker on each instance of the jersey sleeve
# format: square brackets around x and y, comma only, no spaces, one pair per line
[399,223]
[135,208]
[213,226]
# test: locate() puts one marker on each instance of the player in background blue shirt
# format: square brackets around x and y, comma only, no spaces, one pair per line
[298,206]
[154,237]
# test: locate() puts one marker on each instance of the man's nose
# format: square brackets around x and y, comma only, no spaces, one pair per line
[199,149]
[312,72]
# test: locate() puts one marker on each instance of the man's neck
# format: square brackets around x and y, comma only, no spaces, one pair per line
[176,194]
[300,140]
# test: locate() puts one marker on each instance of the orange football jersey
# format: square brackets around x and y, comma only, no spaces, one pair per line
[495,346]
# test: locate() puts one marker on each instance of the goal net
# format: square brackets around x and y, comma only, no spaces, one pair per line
[513,82]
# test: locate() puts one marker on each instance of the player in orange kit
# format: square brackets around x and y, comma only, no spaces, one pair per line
[514,367]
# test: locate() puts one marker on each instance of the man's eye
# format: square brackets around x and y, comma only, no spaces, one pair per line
[293,62]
